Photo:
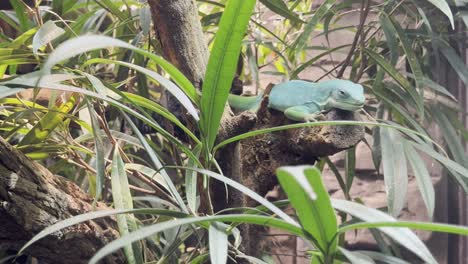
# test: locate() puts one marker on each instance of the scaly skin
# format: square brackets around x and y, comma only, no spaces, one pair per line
[306,101]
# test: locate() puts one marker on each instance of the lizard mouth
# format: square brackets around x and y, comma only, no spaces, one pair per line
[350,106]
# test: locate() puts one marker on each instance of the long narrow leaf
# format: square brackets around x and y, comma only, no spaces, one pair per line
[218,241]
[280,8]
[122,199]
[157,163]
[47,124]
[398,77]
[150,230]
[310,199]
[394,168]
[46,33]
[222,66]
[301,41]
[100,152]
[403,236]
[356,257]
[83,44]
[423,178]
[382,257]
[170,86]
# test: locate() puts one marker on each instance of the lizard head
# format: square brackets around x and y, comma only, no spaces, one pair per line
[346,95]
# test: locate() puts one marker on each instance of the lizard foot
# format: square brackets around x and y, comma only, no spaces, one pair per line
[315,117]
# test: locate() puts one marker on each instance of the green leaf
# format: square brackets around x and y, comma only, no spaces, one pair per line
[81,44]
[444,7]
[426,226]
[191,182]
[218,241]
[151,230]
[148,172]
[114,9]
[222,66]
[458,171]
[93,215]
[411,57]
[310,199]
[167,84]
[356,257]
[48,123]
[46,33]
[307,64]
[21,14]
[145,20]
[301,41]
[280,8]
[394,169]
[146,103]
[453,140]
[9,19]
[319,123]
[454,59]
[7,91]
[122,199]
[398,77]
[247,192]
[350,167]
[382,257]
[49,83]
[391,40]
[157,163]
[423,178]
[403,236]
[99,150]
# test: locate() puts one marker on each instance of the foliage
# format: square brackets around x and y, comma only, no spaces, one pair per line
[105,75]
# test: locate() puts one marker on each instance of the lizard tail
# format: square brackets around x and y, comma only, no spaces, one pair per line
[245,103]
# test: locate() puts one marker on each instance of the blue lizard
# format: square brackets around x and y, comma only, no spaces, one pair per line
[306,101]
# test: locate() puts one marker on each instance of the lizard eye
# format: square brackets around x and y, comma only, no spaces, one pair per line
[342,93]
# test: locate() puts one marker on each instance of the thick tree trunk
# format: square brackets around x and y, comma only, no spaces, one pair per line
[32,198]
[183,43]
[179,31]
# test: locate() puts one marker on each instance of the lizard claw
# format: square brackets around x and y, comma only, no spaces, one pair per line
[321,117]
[315,118]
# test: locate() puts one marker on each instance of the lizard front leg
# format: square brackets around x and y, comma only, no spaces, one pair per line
[304,113]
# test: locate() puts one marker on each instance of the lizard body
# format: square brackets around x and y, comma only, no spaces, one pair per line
[305,101]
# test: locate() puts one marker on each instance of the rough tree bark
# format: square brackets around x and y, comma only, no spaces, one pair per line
[32,198]
[180,33]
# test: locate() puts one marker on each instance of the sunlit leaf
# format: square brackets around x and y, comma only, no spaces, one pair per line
[310,199]
[382,257]
[356,257]
[122,199]
[87,43]
[280,8]
[395,170]
[311,24]
[403,236]
[218,241]
[46,33]
[222,66]
[150,230]
[423,178]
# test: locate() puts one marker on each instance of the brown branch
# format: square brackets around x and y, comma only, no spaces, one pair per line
[32,198]
[364,12]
